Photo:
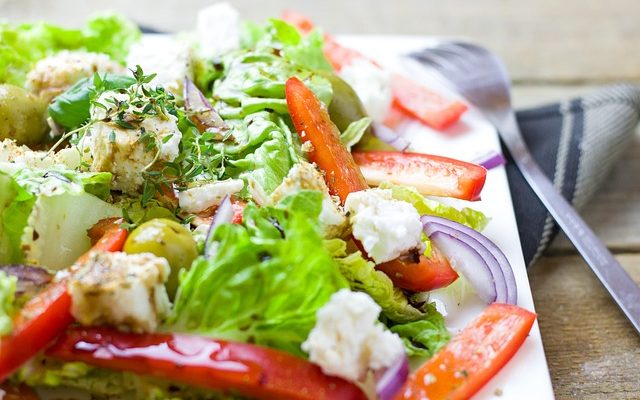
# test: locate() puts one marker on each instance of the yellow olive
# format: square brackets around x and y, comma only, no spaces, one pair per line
[22,115]
[164,238]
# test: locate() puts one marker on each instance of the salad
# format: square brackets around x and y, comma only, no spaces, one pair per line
[230,213]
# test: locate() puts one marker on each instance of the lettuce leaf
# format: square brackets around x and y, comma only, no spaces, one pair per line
[423,338]
[354,132]
[71,108]
[466,216]
[45,214]
[15,206]
[305,51]
[7,296]
[22,45]
[266,281]
[363,277]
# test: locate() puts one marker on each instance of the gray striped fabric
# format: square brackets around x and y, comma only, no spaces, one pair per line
[576,143]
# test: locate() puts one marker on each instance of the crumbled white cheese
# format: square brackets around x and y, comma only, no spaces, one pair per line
[122,290]
[168,57]
[372,84]
[304,176]
[348,340]
[387,228]
[218,29]
[120,151]
[23,156]
[201,197]
[53,75]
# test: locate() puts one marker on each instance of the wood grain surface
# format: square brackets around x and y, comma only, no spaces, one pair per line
[554,50]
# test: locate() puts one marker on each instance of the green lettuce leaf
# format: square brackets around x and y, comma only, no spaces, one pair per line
[45,214]
[22,45]
[466,216]
[15,206]
[71,108]
[266,281]
[423,338]
[363,277]
[276,34]
[7,296]
[354,132]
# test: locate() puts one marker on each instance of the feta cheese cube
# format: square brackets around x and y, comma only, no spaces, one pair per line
[372,84]
[201,197]
[53,75]
[348,340]
[387,228]
[120,151]
[122,290]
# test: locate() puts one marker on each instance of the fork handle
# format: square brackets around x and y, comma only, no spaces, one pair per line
[615,279]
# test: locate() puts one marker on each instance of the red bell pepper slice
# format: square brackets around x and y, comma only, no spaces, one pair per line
[47,315]
[207,363]
[473,357]
[431,175]
[313,125]
[411,98]
[424,104]
[343,176]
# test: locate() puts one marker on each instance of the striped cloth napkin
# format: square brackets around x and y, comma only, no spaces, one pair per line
[576,143]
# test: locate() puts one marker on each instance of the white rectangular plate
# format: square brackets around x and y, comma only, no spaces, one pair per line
[526,376]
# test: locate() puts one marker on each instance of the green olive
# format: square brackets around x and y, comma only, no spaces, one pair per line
[22,115]
[345,106]
[164,238]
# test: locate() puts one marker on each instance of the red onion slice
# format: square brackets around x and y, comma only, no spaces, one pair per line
[491,160]
[390,137]
[224,215]
[200,110]
[389,380]
[30,279]
[478,259]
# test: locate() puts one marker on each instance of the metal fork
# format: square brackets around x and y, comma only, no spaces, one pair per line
[481,78]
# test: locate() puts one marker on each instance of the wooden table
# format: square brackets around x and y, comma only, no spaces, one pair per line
[554,50]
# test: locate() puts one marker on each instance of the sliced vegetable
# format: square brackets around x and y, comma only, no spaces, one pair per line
[40,321]
[243,368]
[224,215]
[431,175]
[414,99]
[476,257]
[491,160]
[421,275]
[390,137]
[314,126]
[425,105]
[29,279]
[201,112]
[473,357]
[390,380]
[46,316]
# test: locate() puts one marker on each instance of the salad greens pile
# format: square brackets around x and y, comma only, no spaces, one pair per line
[267,277]
[22,45]
[261,260]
